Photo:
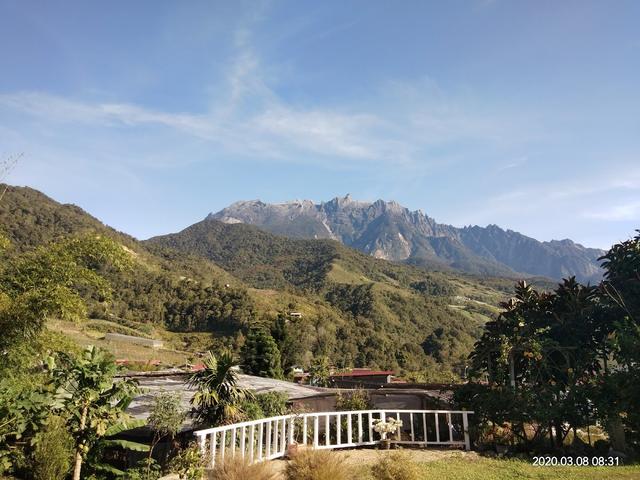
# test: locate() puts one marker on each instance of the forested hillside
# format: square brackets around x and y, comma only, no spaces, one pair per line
[381,313]
[221,279]
[163,288]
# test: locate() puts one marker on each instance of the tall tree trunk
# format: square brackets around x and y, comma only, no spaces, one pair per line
[77,467]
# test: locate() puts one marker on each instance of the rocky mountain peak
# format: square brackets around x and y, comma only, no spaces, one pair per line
[386,229]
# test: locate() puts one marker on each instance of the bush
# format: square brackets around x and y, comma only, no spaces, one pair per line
[317,465]
[263,405]
[53,452]
[145,470]
[251,410]
[358,399]
[395,466]
[188,463]
[272,403]
[240,469]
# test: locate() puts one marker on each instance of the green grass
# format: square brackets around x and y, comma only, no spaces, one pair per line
[494,469]
[82,334]
[106,326]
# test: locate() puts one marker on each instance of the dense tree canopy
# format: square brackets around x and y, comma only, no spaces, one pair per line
[260,354]
[564,359]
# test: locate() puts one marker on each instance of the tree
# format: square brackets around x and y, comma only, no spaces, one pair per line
[620,294]
[218,397]
[357,399]
[87,392]
[541,360]
[53,452]
[24,409]
[320,372]
[166,418]
[48,282]
[290,350]
[260,355]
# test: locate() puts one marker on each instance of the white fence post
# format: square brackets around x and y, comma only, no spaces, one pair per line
[304,430]
[212,449]
[252,432]
[268,441]
[327,429]
[316,421]
[465,427]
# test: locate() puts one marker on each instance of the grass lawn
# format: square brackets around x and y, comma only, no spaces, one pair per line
[495,469]
[445,464]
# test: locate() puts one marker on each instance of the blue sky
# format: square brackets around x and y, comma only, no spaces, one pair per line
[150,114]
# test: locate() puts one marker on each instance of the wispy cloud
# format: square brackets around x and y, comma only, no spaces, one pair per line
[59,109]
[571,188]
[518,162]
[251,119]
[565,207]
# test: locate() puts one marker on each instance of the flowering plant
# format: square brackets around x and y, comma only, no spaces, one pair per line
[390,426]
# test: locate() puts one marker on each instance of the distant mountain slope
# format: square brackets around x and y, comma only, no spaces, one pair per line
[376,306]
[30,218]
[220,278]
[389,231]
[265,260]
[160,287]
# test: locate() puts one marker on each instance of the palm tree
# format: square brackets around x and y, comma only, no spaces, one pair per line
[218,397]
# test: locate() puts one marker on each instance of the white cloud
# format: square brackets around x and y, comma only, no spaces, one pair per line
[321,131]
[251,119]
[59,109]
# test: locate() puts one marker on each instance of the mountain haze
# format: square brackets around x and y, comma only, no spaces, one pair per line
[390,231]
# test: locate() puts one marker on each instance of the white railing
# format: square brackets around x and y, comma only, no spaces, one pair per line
[269,438]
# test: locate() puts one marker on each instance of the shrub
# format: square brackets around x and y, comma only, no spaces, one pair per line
[144,470]
[251,410]
[53,452]
[240,469]
[395,466]
[188,463]
[263,405]
[358,399]
[317,465]
[272,403]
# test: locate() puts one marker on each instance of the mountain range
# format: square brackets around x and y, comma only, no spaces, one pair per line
[205,287]
[387,230]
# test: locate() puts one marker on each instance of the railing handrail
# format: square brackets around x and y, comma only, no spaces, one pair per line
[270,438]
[248,423]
